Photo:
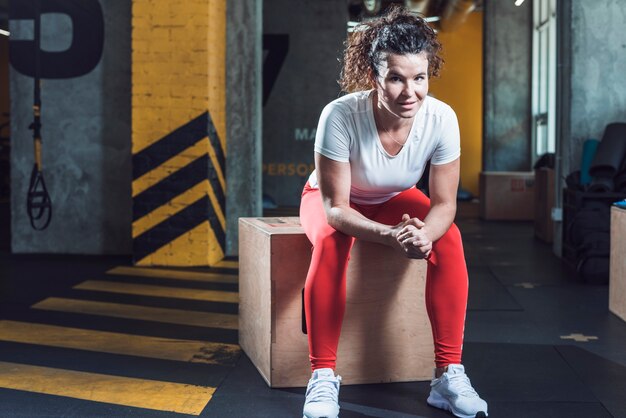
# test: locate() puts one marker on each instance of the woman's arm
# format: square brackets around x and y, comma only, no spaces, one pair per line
[443,186]
[334,179]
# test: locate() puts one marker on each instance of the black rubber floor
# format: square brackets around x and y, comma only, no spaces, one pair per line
[538,343]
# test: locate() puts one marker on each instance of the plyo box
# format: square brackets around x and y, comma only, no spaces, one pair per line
[507,195]
[617,275]
[386,334]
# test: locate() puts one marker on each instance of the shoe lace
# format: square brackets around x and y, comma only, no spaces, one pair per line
[461,384]
[324,389]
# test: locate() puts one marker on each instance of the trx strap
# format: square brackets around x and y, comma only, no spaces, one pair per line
[38,203]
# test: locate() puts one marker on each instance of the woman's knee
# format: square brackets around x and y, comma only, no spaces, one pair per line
[329,239]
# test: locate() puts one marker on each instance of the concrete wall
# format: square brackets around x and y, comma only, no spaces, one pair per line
[598,81]
[507,82]
[244,115]
[86,142]
[5,143]
[5,104]
[304,84]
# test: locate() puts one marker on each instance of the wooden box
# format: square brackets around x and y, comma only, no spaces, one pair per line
[386,334]
[617,277]
[544,202]
[507,195]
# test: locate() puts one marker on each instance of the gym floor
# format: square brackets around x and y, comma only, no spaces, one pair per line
[91,336]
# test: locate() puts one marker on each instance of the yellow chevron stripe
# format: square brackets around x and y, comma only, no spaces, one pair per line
[216,206]
[160,291]
[171,166]
[215,249]
[218,169]
[117,343]
[189,249]
[144,313]
[170,208]
[141,393]
[176,274]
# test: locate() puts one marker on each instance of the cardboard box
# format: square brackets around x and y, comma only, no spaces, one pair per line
[507,195]
[544,202]
[617,275]
[386,334]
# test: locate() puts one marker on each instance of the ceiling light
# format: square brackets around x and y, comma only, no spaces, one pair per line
[519,2]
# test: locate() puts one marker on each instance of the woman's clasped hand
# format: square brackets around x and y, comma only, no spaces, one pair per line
[411,237]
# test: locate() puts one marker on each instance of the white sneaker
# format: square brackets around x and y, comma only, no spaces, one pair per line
[454,392]
[322,395]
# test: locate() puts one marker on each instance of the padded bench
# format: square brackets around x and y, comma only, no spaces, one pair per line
[386,334]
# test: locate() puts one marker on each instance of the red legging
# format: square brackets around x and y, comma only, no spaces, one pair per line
[325,288]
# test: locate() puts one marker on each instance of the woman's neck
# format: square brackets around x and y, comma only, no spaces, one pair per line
[387,120]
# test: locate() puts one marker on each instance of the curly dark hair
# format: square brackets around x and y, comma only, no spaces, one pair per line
[398,31]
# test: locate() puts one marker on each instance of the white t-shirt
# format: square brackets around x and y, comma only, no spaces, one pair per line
[346,132]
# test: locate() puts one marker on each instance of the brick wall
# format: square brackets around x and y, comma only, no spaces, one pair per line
[178,131]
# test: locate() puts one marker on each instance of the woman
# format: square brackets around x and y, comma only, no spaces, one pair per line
[370,150]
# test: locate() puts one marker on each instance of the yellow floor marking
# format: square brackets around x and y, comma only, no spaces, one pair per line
[145,313]
[141,393]
[118,343]
[159,291]
[174,274]
[581,338]
[227,264]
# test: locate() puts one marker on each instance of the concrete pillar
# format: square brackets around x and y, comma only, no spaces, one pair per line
[507,86]
[244,115]
[86,125]
[598,60]
[178,132]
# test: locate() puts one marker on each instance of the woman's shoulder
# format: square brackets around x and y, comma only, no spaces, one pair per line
[350,103]
[437,108]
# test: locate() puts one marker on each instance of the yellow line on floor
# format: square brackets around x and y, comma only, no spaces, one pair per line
[227,264]
[173,274]
[118,343]
[159,291]
[141,393]
[144,313]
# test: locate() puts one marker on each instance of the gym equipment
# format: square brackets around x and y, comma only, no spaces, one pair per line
[38,203]
[601,185]
[610,152]
[620,177]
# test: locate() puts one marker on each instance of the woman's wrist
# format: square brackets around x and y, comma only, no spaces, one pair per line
[389,235]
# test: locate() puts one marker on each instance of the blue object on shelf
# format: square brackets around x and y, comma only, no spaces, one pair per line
[620,204]
[589,152]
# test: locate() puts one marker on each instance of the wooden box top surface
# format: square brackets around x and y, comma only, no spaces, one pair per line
[617,210]
[276,225]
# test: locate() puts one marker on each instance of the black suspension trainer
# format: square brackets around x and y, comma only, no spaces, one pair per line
[38,203]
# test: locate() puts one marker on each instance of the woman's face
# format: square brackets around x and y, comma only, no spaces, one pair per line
[402,83]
